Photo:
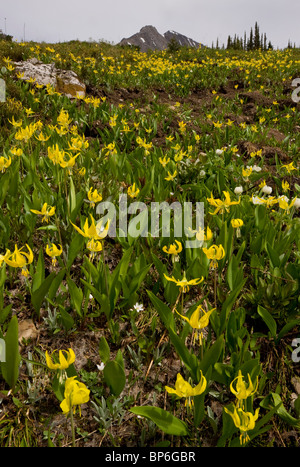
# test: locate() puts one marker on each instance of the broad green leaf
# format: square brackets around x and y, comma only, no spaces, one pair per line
[104,351]
[268,319]
[165,421]
[39,294]
[114,376]
[76,296]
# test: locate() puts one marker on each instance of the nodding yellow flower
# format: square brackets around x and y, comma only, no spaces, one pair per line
[63,119]
[3,257]
[244,421]
[164,161]
[94,246]
[55,154]
[170,176]
[133,191]
[179,156]
[215,253]
[283,202]
[199,320]
[239,388]
[262,184]
[93,231]
[76,393]
[184,389]
[94,197]
[247,172]
[289,167]
[47,211]
[220,205]
[53,251]
[285,186]
[69,163]
[25,133]
[14,123]
[19,259]
[184,284]
[65,359]
[182,127]
[16,151]
[173,250]
[4,163]
[78,143]
[237,224]
[42,138]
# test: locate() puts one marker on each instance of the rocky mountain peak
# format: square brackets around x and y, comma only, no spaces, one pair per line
[148,38]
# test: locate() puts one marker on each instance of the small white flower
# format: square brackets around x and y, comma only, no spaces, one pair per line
[219,152]
[138,307]
[238,190]
[256,168]
[267,189]
[202,173]
[101,366]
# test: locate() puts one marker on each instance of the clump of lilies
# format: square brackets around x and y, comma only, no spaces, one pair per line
[243,420]
[75,392]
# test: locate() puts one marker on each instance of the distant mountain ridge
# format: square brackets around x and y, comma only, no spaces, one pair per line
[150,39]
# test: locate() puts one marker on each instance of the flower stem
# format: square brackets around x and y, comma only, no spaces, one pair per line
[72,427]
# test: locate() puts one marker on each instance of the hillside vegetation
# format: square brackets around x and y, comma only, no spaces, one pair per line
[148,341]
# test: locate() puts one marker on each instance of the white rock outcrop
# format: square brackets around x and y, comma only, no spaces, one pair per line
[63,81]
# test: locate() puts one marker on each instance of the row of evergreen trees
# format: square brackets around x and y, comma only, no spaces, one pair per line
[255,41]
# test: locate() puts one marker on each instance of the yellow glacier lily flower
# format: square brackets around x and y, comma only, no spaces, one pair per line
[133,191]
[184,389]
[173,250]
[199,320]
[93,231]
[184,284]
[244,421]
[47,211]
[239,388]
[4,163]
[76,393]
[20,259]
[94,197]
[65,359]
[94,246]
[220,205]
[215,253]
[283,202]
[53,252]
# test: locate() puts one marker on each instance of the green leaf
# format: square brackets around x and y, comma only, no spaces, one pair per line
[38,295]
[39,275]
[283,413]
[268,319]
[67,320]
[75,246]
[165,421]
[114,376]
[104,351]
[212,355]
[287,327]
[76,296]
[273,255]
[10,368]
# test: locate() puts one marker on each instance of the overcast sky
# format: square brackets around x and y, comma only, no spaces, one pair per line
[111,20]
